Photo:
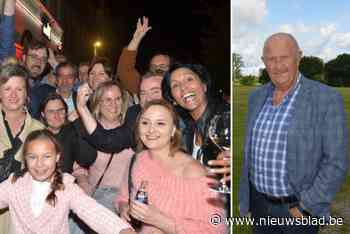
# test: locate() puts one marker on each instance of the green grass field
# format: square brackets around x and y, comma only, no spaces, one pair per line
[340,207]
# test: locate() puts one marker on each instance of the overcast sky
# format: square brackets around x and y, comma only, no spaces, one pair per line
[321,27]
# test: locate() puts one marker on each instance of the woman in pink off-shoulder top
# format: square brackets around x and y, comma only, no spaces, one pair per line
[179,198]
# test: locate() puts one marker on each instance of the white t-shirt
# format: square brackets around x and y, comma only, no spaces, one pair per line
[40,190]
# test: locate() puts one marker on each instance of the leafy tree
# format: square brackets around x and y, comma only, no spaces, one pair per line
[264,77]
[237,65]
[247,80]
[312,67]
[337,71]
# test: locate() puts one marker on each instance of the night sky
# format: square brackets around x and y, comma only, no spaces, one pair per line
[191,31]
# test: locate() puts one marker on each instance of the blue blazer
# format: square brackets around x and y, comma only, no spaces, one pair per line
[317,147]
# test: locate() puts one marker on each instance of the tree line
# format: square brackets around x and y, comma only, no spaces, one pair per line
[335,72]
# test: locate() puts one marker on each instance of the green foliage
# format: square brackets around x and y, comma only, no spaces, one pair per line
[237,64]
[264,77]
[247,80]
[312,67]
[337,71]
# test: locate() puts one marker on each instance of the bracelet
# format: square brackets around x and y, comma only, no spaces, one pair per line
[303,210]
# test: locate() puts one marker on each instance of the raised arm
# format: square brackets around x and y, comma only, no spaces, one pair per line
[127,72]
[83,96]
[109,141]
[7,30]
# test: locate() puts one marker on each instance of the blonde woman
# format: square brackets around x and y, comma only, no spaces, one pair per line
[103,179]
[15,124]
[179,198]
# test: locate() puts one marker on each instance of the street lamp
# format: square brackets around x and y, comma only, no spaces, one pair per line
[97,44]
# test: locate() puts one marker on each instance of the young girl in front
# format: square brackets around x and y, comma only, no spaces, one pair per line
[40,196]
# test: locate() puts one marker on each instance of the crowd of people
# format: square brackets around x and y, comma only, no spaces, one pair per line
[76,142]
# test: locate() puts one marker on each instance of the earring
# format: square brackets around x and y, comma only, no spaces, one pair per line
[25,109]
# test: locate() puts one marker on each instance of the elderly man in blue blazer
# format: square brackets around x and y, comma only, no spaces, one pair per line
[296,149]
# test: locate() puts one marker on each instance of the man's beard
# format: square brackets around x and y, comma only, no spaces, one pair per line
[35,73]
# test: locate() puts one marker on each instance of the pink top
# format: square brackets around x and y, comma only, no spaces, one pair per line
[186,200]
[115,174]
[54,220]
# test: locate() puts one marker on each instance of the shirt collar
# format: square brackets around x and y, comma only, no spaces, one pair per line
[291,91]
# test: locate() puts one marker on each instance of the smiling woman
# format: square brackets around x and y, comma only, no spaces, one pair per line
[15,123]
[178,192]
[188,86]
[103,179]
[54,114]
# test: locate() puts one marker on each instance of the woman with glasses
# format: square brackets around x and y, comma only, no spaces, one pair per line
[15,124]
[103,179]
[106,174]
[53,112]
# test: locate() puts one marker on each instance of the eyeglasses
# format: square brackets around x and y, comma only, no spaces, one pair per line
[37,58]
[60,111]
[111,101]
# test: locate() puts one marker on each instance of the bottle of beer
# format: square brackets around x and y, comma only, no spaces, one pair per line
[141,196]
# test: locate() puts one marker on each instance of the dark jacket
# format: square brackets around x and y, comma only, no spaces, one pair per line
[131,115]
[188,127]
[75,148]
[39,94]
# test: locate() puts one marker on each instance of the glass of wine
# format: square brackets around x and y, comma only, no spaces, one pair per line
[220,135]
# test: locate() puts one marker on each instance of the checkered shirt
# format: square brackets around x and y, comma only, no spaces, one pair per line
[268,170]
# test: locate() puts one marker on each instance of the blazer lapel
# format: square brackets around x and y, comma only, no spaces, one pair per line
[301,105]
